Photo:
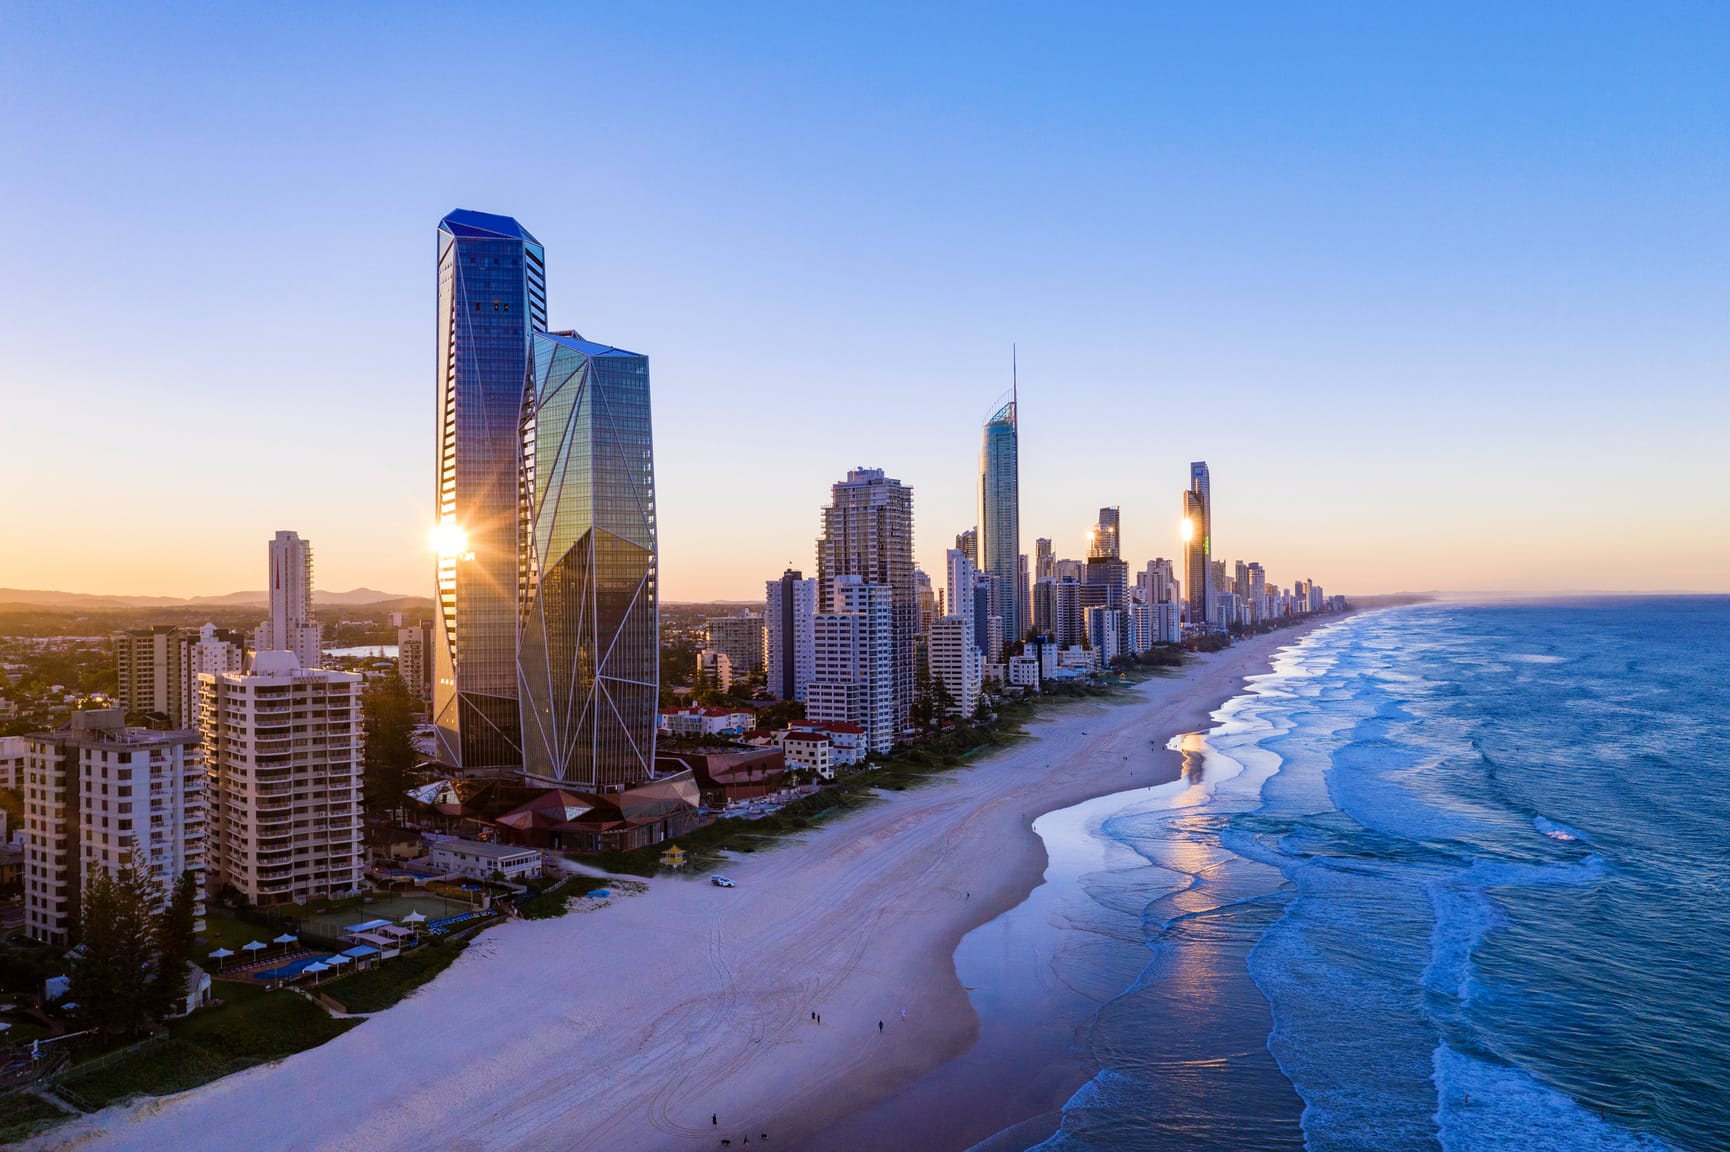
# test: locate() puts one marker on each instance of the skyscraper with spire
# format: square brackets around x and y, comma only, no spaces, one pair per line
[492,300]
[1000,513]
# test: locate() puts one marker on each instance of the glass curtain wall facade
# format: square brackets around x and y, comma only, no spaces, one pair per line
[491,301]
[1000,515]
[588,664]
[1198,543]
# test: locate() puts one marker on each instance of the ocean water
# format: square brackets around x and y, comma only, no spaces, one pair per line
[1451,877]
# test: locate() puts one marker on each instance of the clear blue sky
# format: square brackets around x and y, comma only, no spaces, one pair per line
[1441,294]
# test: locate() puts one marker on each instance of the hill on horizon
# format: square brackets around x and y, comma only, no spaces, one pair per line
[42,598]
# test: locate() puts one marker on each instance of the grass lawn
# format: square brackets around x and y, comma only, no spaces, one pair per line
[378,988]
[23,1115]
[250,1027]
[222,931]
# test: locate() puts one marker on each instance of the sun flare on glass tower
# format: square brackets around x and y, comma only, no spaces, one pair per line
[491,301]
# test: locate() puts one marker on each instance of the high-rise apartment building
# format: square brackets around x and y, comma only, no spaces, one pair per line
[283,748]
[790,606]
[158,667]
[215,650]
[967,543]
[151,675]
[292,626]
[1067,622]
[957,663]
[1157,583]
[961,587]
[868,532]
[853,679]
[492,300]
[1044,560]
[1106,584]
[928,612]
[740,639]
[1198,542]
[414,650]
[588,651]
[1043,604]
[1103,541]
[1023,598]
[1000,513]
[97,795]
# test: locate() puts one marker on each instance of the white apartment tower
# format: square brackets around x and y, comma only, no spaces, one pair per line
[98,794]
[291,627]
[868,532]
[283,747]
[956,662]
[853,674]
[790,607]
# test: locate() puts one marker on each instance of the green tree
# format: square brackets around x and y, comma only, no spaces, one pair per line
[389,709]
[176,937]
[114,979]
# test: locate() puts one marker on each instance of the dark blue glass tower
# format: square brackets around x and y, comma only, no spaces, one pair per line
[492,299]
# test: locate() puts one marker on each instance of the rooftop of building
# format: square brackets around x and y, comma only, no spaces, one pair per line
[463,222]
[574,341]
[482,848]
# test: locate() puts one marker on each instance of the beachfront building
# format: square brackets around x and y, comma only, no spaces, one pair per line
[1106,629]
[292,626]
[283,748]
[956,663]
[699,721]
[790,643]
[492,299]
[97,795]
[809,752]
[868,533]
[849,743]
[1000,515]
[1067,622]
[741,639]
[588,650]
[482,860]
[853,677]
[1198,542]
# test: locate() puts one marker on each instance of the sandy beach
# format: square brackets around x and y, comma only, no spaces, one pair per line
[631,1026]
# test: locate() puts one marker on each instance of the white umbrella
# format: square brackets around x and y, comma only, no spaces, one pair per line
[286,938]
[314,969]
[414,918]
[221,954]
[339,958]
[253,946]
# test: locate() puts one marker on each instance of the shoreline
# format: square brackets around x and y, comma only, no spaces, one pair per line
[632,1026]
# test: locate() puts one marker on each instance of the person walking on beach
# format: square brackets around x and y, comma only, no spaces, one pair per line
[715,1119]
[879,1025]
[903,1013]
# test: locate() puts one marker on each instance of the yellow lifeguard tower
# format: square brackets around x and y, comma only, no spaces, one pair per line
[673,857]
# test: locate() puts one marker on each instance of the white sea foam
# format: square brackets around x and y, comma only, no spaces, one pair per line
[1555,831]
[1483,1107]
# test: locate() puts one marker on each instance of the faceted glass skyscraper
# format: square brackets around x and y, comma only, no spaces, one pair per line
[491,301]
[588,661]
[1000,515]
[1198,543]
